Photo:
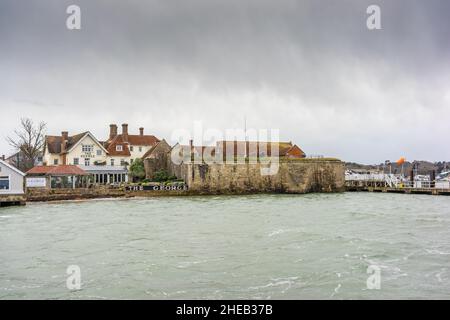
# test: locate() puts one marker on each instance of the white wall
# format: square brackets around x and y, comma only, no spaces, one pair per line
[15,180]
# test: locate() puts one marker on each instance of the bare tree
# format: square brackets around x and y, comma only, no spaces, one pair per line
[28,142]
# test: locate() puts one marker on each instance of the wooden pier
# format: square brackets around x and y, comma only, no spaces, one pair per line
[377,186]
[431,191]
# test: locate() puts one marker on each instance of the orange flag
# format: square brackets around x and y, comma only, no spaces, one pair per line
[401,161]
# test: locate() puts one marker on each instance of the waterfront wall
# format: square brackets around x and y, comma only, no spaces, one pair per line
[12,199]
[293,176]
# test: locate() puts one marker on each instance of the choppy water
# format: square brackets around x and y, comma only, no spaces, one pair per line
[315,246]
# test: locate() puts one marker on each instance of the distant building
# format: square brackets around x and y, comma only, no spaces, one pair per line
[258,149]
[19,161]
[231,150]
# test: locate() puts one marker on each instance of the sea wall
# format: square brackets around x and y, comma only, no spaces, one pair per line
[292,176]
[44,194]
[12,199]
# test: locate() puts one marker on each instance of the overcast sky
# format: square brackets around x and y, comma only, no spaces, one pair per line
[311,69]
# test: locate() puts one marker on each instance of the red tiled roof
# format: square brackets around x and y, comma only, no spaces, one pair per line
[134,140]
[254,147]
[63,170]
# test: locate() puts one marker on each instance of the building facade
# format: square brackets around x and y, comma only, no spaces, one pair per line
[80,150]
[124,148]
[11,180]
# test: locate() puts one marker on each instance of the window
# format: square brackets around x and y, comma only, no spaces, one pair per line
[119,147]
[131,148]
[76,161]
[131,161]
[87,162]
[112,162]
[4,183]
[87,148]
[122,162]
[140,149]
[55,162]
[99,152]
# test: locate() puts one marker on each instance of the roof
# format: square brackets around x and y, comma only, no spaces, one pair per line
[150,151]
[133,140]
[6,164]
[254,147]
[53,143]
[62,170]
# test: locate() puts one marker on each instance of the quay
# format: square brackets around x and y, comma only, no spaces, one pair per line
[389,183]
[430,191]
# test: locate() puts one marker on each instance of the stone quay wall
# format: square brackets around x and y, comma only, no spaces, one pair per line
[293,176]
[12,199]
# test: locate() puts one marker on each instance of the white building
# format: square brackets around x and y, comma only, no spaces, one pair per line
[11,180]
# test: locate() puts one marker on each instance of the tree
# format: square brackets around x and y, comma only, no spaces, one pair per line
[28,142]
[137,170]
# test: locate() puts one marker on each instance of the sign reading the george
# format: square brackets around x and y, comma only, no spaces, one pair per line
[180,187]
[36,182]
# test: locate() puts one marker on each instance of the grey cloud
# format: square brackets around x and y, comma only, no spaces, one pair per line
[310,68]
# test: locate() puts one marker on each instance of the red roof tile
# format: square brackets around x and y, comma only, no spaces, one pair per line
[63,170]
[133,140]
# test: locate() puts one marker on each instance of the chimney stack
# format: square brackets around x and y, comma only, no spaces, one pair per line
[141,131]
[3,157]
[64,138]
[125,132]
[112,131]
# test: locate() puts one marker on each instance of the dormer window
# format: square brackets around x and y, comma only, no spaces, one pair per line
[119,148]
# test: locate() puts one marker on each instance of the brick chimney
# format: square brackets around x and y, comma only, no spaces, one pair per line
[125,132]
[3,157]
[64,139]
[141,131]
[112,131]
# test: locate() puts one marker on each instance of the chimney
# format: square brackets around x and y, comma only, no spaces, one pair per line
[112,131]
[191,149]
[64,138]
[125,132]
[141,131]
[3,157]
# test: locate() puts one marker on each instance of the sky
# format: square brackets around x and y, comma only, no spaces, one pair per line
[311,69]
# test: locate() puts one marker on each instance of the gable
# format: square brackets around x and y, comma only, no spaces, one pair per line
[7,169]
[86,139]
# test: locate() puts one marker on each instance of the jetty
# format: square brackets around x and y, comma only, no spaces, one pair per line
[390,183]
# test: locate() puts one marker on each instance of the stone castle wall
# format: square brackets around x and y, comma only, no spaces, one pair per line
[293,176]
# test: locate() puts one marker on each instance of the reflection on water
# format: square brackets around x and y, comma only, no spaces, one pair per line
[315,246]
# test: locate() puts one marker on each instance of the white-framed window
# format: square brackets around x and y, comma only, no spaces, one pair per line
[119,147]
[87,162]
[4,183]
[131,161]
[140,149]
[112,162]
[76,161]
[99,152]
[122,162]
[131,148]
[55,162]
[87,148]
